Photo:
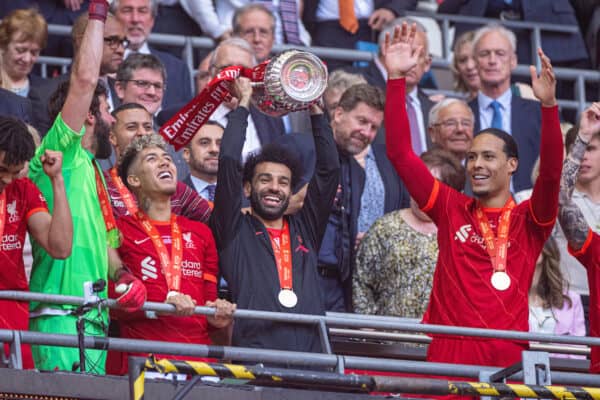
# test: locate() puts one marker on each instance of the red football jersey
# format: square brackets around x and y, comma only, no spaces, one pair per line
[589,256]
[23,199]
[463,274]
[199,270]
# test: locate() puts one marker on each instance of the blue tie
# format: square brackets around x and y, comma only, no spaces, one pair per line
[497,117]
[210,189]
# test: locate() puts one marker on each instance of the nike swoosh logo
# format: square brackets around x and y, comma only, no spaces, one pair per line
[141,241]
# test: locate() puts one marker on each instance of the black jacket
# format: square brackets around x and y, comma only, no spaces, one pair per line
[245,254]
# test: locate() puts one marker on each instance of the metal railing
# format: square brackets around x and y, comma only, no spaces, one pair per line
[188,44]
[291,358]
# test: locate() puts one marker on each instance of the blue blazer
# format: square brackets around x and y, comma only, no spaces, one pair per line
[12,105]
[560,47]
[526,121]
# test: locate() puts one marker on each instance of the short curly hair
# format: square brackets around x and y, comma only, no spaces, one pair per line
[15,141]
[276,154]
[137,145]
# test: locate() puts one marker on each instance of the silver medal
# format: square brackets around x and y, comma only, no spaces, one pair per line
[500,280]
[287,298]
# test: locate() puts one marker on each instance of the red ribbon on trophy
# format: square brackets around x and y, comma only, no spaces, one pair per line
[290,81]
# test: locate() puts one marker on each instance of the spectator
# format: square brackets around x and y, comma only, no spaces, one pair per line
[131,121]
[288,27]
[418,103]
[583,241]
[27,212]
[368,188]
[247,242]
[451,127]
[149,172]
[475,283]
[80,132]
[142,79]
[23,34]
[553,309]
[202,156]
[138,18]
[189,17]
[342,24]
[496,107]
[339,81]
[396,258]
[463,67]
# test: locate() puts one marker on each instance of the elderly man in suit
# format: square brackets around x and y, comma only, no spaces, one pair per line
[138,17]
[495,106]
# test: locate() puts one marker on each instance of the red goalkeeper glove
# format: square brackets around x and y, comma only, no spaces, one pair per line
[132,291]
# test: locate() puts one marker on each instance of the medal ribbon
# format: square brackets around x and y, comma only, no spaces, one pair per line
[126,195]
[180,129]
[106,208]
[497,247]
[283,257]
[2,211]
[171,265]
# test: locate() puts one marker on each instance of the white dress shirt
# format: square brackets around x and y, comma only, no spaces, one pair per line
[416,103]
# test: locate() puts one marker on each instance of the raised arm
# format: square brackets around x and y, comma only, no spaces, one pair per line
[544,199]
[86,68]
[228,195]
[54,233]
[399,58]
[570,216]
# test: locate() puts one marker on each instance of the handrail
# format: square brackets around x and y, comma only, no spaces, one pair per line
[279,357]
[336,320]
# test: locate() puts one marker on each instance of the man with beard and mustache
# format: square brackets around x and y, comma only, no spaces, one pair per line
[268,259]
[369,187]
[80,132]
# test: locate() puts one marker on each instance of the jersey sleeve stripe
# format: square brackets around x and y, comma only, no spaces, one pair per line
[210,277]
[35,211]
[585,246]
[432,197]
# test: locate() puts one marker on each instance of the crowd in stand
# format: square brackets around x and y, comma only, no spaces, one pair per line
[379,199]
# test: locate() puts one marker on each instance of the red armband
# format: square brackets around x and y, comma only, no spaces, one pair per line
[98,10]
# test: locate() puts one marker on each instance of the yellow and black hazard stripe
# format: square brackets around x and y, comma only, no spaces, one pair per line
[524,391]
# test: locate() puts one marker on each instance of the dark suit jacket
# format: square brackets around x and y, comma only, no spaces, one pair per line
[178,79]
[559,47]
[526,117]
[12,105]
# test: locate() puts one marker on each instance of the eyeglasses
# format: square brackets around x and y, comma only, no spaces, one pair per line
[453,123]
[159,87]
[114,41]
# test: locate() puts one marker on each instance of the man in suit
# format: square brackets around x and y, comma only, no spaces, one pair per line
[331,26]
[138,18]
[369,188]
[418,103]
[494,48]
[202,156]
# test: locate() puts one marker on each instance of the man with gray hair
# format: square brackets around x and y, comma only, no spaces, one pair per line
[494,50]
[138,17]
[451,126]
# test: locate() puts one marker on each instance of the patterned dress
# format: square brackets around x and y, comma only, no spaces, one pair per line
[394,269]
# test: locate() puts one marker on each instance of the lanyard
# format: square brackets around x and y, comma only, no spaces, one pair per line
[126,195]
[107,214]
[171,265]
[283,257]
[497,247]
